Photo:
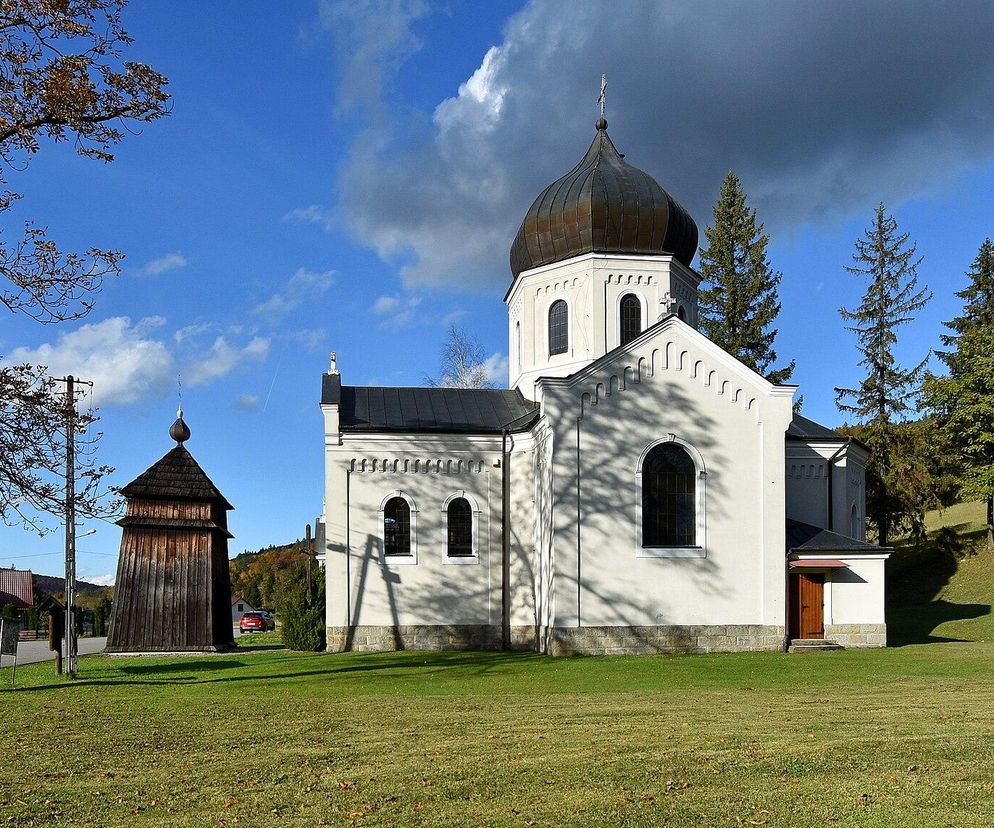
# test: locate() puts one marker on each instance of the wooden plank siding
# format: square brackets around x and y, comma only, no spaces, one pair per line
[173,588]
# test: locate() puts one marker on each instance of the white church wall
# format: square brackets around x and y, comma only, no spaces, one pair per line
[592,286]
[808,465]
[676,382]
[431,599]
[855,601]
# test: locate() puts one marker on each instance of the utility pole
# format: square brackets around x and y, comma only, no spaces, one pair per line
[72,642]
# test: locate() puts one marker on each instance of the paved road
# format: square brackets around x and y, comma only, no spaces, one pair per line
[29,652]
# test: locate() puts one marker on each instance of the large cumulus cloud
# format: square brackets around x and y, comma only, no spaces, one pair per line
[822,108]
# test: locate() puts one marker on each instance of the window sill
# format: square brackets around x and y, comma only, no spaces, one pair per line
[671,552]
[398,560]
[462,560]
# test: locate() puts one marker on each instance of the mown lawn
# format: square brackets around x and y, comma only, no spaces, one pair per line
[899,737]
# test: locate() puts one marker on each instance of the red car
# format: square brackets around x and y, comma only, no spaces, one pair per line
[256,622]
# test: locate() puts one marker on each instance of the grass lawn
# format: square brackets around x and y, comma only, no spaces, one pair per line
[268,737]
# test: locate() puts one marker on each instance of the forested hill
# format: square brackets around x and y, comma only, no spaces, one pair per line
[260,577]
[55,585]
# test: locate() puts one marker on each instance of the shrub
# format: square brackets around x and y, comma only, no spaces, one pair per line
[301,618]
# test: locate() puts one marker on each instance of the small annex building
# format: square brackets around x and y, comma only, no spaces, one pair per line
[17,590]
[239,606]
[636,489]
[173,589]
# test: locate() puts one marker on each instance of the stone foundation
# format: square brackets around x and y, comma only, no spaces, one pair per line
[857,635]
[730,638]
[561,641]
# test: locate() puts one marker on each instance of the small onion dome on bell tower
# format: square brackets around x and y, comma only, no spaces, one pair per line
[179,430]
[603,205]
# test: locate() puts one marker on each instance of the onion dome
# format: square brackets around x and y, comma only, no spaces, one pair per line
[603,205]
[179,430]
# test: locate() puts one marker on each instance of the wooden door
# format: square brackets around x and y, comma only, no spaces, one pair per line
[811,605]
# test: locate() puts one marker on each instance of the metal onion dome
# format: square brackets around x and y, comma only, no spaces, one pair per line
[603,205]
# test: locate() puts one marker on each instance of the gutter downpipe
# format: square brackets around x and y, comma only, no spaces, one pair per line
[579,579]
[505,543]
[831,467]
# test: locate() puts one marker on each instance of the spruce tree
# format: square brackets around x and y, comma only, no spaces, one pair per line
[963,400]
[738,300]
[887,391]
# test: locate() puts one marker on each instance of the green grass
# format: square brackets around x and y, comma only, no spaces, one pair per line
[256,737]
[955,568]
[261,736]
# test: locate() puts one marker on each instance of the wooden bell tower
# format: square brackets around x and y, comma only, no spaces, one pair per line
[173,590]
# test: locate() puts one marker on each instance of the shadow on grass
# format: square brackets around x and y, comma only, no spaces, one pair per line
[325,664]
[914,624]
[201,665]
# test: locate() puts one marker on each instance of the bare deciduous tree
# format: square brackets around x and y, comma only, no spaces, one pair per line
[463,364]
[62,78]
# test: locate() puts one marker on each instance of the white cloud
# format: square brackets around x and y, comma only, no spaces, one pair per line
[385,304]
[453,317]
[127,363]
[398,312]
[450,200]
[191,331]
[156,267]
[247,402]
[312,214]
[301,286]
[222,359]
[124,363]
[101,580]
[495,367]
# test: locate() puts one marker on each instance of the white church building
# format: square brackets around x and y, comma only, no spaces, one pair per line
[636,490]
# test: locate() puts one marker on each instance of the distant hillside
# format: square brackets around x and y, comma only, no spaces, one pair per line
[260,577]
[51,584]
[943,590]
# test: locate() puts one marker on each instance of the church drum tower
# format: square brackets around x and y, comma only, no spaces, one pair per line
[173,590]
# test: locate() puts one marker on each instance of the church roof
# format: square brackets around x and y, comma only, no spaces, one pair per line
[603,205]
[441,410]
[802,428]
[177,476]
[803,537]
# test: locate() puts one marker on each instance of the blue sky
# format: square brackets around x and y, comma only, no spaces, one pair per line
[349,176]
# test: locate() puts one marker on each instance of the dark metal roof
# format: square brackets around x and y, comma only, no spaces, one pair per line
[803,537]
[801,428]
[17,588]
[177,476]
[441,410]
[603,205]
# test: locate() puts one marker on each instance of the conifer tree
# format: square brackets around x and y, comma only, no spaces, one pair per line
[887,391]
[738,300]
[963,400]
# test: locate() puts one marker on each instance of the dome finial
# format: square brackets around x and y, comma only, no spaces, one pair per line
[602,102]
[179,430]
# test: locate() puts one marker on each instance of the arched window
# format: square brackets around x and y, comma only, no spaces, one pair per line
[681,314]
[459,517]
[558,328]
[669,497]
[631,317]
[517,344]
[396,527]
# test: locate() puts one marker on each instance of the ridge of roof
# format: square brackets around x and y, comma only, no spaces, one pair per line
[804,428]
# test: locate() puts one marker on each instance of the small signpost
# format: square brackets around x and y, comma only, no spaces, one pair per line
[8,643]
